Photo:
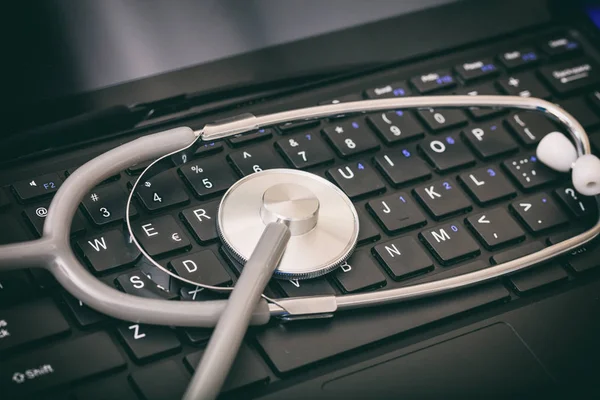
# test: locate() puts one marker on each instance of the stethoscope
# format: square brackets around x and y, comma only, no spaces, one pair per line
[284,223]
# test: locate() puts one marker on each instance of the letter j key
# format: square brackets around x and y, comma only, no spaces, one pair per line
[442,198]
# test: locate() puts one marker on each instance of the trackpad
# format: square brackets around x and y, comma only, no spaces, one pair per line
[492,362]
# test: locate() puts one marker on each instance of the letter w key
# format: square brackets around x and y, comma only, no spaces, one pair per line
[109,250]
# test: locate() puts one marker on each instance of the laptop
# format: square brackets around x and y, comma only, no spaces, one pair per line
[88,76]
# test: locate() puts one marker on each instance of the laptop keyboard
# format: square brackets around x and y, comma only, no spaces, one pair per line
[438,192]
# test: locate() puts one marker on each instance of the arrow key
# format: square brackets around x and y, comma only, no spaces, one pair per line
[539,212]
[495,228]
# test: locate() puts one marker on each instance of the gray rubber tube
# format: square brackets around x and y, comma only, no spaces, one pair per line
[227,337]
[53,250]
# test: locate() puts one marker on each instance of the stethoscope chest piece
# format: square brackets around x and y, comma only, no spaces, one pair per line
[321,218]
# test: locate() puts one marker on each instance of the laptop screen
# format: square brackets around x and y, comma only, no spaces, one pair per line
[104,43]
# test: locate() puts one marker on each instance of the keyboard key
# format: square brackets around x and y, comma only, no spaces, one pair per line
[64,363]
[524,84]
[513,59]
[578,204]
[208,177]
[560,45]
[288,127]
[368,231]
[30,322]
[571,76]
[290,347]
[138,284]
[138,168]
[161,235]
[206,149]
[109,250]
[487,185]
[582,258]
[539,212]
[250,137]
[438,120]
[163,381]
[450,243]
[402,166]
[446,154]
[201,220]
[107,204]
[36,215]
[396,89]
[476,69]
[342,99]
[162,191]
[43,278]
[490,140]
[357,179]
[305,150]
[397,212]
[148,341]
[84,315]
[528,172]
[109,388]
[360,272]
[433,81]
[530,127]
[198,335]
[534,277]
[495,228]
[114,177]
[578,107]
[442,198]
[481,89]
[203,267]
[247,369]
[40,186]
[395,126]
[308,287]
[350,138]
[403,258]
[15,285]
[255,159]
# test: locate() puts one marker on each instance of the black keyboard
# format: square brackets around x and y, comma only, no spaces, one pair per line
[438,192]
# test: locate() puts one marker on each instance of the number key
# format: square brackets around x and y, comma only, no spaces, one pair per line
[255,159]
[161,191]
[350,138]
[442,198]
[304,150]
[438,120]
[396,126]
[208,177]
[106,204]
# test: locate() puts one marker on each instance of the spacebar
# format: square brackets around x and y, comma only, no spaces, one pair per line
[295,345]
[57,365]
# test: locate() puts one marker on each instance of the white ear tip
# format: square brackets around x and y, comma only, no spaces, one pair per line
[556,151]
[586,175]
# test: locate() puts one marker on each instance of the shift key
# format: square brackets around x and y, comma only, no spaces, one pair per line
[61,364]
[29,322]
